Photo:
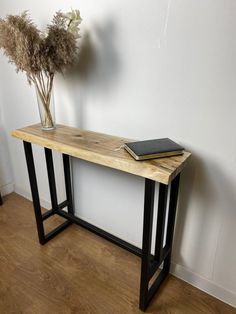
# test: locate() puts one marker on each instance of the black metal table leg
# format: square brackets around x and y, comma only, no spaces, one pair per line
[43,238]
[51,179]
[147,238]
[0,199]
[67,175]
[161,216]
[150,264]
[34,191]
[171,220]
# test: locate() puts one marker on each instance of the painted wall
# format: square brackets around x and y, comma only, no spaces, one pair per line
[6,175]
[148,69]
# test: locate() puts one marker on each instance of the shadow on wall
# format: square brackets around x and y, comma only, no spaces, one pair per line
[98,64]
[211,189]
[97,68]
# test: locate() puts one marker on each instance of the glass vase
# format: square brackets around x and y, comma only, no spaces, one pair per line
[46,109]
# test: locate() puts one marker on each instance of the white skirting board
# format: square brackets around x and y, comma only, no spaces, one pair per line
[7,189]
[27,195]
[203,284]
[176,269]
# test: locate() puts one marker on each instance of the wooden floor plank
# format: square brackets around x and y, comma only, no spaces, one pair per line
[78,272]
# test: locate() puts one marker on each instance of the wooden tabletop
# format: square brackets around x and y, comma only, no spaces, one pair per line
[102,149]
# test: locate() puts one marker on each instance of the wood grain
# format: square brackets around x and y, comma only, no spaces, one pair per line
[102,149]
[79,273]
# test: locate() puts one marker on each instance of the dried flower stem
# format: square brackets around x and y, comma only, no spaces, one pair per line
[45,94]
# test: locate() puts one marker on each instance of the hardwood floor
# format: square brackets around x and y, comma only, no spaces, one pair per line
[78,272]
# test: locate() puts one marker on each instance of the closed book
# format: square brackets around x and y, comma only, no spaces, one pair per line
[157,148]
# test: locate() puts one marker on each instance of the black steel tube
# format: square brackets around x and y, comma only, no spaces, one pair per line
[161,216]
[174,190]
[106,235]
[34,190]
[51,178]
[0,199]
[155,286]
[68,185]
[48,214]
[146,245]
[51,212]
[50,235]
[154,265]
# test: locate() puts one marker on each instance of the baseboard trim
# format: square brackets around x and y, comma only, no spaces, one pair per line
[7,189]
[203,284]
[44,203]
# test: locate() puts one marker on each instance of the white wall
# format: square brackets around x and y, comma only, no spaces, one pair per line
[149,69]
[6,176]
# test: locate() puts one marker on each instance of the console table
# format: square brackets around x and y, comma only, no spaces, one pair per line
[108,151]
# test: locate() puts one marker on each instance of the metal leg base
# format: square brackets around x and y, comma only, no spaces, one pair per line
[44,238]
[56,231]
[1,199]
[149,263]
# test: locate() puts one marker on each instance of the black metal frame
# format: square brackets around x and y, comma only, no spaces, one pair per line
[149,263]
[1,199]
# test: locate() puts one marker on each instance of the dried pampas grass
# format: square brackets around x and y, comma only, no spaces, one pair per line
[37,54]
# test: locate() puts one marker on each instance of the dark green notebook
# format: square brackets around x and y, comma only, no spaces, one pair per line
[150,149]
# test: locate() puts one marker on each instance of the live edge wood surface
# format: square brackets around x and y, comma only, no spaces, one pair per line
[103,149]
